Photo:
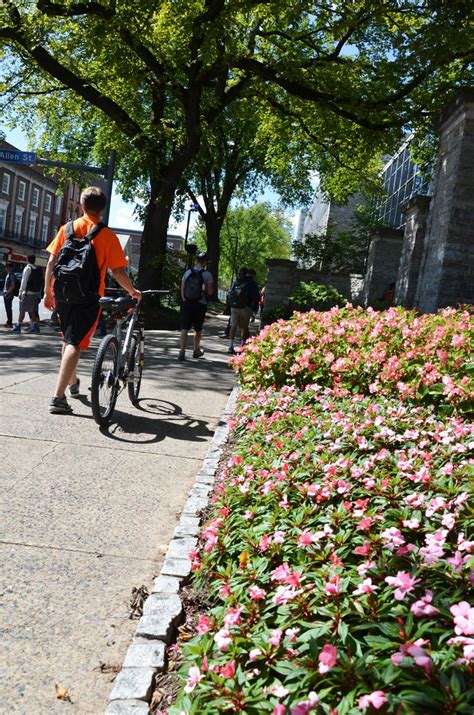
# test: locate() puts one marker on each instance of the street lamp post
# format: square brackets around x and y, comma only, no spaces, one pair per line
[194,207]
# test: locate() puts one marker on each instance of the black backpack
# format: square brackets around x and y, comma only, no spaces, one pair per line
[193,286]
[35,281]
[239,295]
[76,273]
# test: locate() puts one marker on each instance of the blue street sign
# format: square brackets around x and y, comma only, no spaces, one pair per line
[20,157]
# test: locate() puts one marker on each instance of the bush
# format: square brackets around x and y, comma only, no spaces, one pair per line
[399,353]
[315,296]
[336,561]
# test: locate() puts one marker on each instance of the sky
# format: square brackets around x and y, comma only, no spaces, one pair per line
[121,213]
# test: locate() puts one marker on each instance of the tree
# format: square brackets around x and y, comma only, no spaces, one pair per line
[147,78]
[232,161]
[250,235]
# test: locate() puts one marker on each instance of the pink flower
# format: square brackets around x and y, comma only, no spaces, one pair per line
[223,639]
[423,607]
[228,671]
[463,618]
[279,709]
[434,505]
[278,691]
[256,593]
[279,537]
[291,634]
[404,583]
[254,653]
[415,651]
[376,699]
[276,637]
[331,587]
[393,536]
[284,574]
[365,587]
[204,625]
[304,707]
[363,550]
[327,658]
[284,594]
[195,676]
[411,523]
[232,617]
[306,538]
[364,524]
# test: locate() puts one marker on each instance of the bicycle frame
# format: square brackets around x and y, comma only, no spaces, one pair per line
[119,361]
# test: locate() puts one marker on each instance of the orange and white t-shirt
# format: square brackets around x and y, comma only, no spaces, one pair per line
[108,251]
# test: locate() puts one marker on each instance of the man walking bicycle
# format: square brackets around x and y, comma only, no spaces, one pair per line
[75,292]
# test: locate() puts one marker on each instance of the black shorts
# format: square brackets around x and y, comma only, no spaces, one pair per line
[192,315]
[78,322]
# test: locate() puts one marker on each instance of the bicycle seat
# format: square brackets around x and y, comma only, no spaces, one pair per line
[125,303]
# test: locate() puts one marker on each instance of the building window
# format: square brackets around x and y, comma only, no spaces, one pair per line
[6,183]
[44,231]
[47,202]
[59,203]
[21,190]
[35,197]
[17,223]
[3,219]
[32,227]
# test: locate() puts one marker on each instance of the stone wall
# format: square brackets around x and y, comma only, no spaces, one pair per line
[447,264]
[416,213]
[382,263]
[284,277]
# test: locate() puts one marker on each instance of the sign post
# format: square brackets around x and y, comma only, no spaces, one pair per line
[29,157]
[19,157]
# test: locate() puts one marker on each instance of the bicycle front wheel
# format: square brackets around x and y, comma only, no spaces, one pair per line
[104,388]
[135,369]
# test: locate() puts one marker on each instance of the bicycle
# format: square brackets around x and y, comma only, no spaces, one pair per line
[119,362]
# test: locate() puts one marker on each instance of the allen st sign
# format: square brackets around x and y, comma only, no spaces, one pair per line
[19,157]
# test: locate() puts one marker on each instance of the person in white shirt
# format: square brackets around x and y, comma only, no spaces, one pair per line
[30,291]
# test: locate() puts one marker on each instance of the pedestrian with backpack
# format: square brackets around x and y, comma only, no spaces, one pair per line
[243,298]
[197,286]
[80,254]
[11,288]
[29,294]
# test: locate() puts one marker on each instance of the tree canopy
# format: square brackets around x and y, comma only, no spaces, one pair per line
[250,235]
[341,79]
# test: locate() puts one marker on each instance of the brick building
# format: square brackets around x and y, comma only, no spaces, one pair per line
[30,210]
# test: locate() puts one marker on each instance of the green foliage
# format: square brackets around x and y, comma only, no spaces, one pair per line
[250,235]
[316,296]
[324,587]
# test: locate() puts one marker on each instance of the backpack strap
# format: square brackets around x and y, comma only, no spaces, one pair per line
[69,229]
[94,231]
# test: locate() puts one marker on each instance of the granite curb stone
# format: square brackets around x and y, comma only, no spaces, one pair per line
[163,608]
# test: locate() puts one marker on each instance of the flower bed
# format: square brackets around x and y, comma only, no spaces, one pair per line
[337,561]
[398,353]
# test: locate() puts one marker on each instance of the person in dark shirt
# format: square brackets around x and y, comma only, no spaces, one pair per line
[10,287]
[240,316]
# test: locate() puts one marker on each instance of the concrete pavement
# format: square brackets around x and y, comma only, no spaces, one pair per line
[85,514]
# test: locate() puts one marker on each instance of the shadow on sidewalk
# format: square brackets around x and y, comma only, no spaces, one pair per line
[164,420]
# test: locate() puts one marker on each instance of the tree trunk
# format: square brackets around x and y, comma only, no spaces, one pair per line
[153,242]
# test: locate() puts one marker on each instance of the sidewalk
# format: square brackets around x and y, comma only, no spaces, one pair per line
[85,514]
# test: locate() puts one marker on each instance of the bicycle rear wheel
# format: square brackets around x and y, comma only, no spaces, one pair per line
[135,369]
[104,388]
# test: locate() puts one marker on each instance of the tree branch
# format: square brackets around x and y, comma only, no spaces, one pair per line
[73,81]
[53,9]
